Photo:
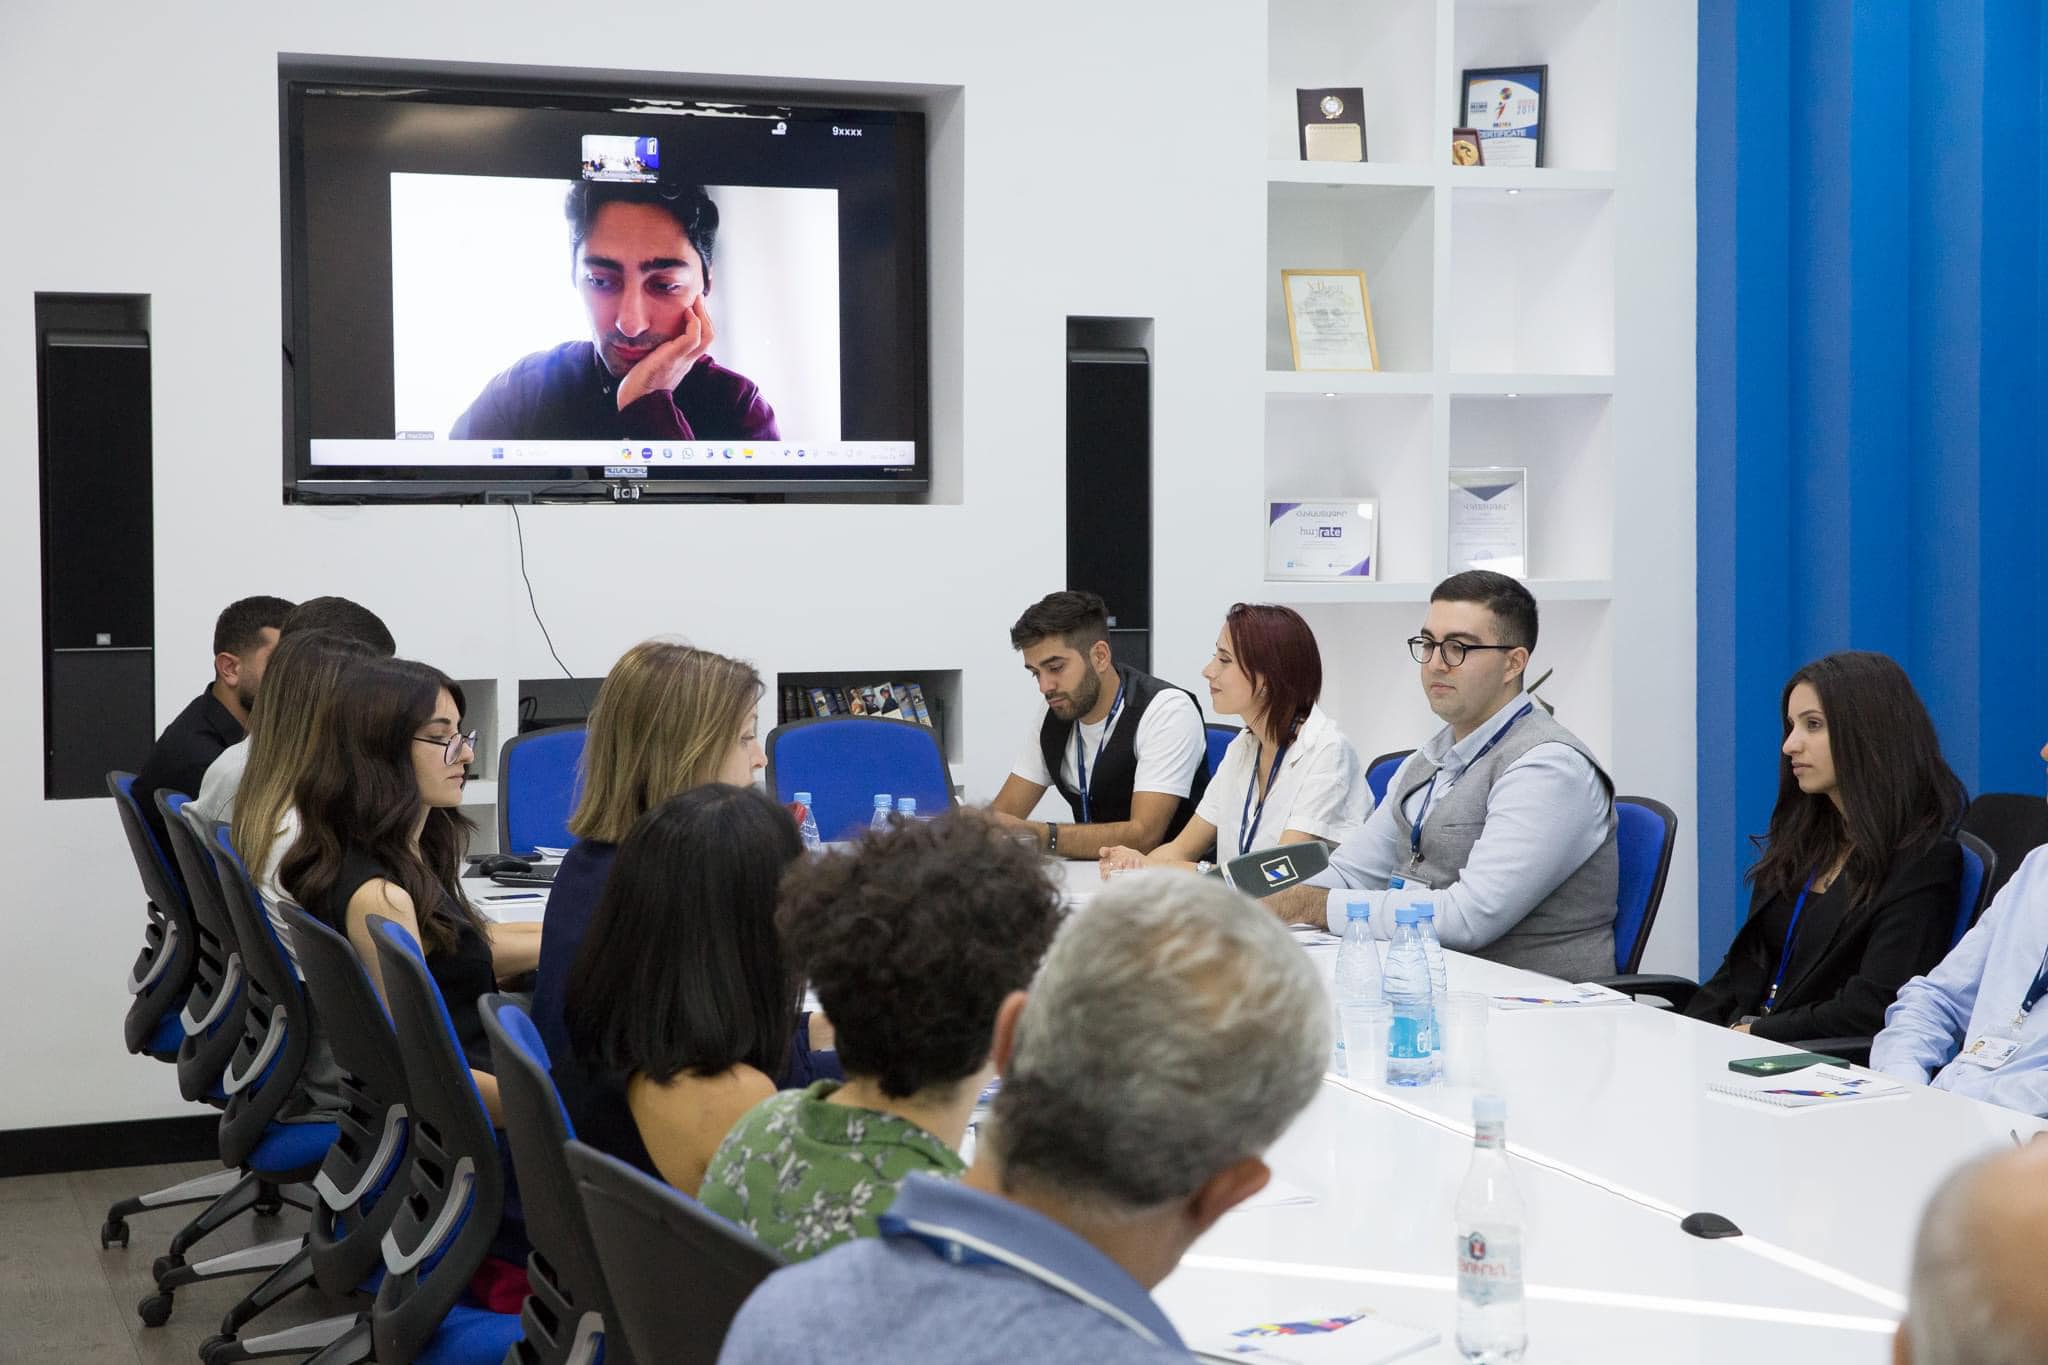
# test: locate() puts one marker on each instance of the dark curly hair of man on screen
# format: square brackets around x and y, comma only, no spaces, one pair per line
[642,261]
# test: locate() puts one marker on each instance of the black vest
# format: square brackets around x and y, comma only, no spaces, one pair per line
[1111,775]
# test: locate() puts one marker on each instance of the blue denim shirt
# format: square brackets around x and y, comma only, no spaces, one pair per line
[956,1276]
[1978,991]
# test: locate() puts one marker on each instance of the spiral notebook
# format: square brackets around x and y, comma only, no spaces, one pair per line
[1360,1337]
[1814,1087]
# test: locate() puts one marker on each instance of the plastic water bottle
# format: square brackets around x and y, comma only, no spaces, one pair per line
[1407,986]
[809,828]
[906,806]
[1491,1327]
[884,804]
[1358,966]
[1439,987]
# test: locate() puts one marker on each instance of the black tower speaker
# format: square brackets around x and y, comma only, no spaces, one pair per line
[1109,475]
[99,603]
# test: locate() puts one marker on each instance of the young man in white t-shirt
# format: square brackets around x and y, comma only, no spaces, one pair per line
[1127,751]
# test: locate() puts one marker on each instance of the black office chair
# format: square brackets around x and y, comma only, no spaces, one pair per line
[358,1189]
[211,1017]
[564,1320]
[158,983]
[678,1273]
[452,1195]
[2013,825]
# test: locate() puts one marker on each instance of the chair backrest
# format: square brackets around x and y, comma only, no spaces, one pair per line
[162,973]
[211,1017]
[565,1319]
[2012,824]
[1973,893]
[537,788]
[277,1020]
[453,1195]
[352,1217]
[678,1272]
[1219,740]
[1644,834]
[1380,772]
[845,761]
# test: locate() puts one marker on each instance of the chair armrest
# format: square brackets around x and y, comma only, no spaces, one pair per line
[1677,991]
[1853,1050]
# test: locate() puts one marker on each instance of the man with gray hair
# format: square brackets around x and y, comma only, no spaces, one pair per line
[1173,1031]
[1976,1295]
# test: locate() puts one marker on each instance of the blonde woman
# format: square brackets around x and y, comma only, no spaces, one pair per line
[668,718]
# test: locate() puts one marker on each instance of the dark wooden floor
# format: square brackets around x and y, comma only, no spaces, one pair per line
[64,1300]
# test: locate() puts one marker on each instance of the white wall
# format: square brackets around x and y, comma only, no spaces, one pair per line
[1101,160]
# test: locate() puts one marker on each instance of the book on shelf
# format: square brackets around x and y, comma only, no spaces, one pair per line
[892,700]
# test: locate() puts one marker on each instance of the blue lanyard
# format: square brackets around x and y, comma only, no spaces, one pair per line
[1081,758]
[1248,819]
[2037,990]
[1785,953]
[1415,828]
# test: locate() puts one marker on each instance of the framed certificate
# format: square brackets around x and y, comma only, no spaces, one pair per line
[1321,538]
[1507,106]
[1329,320]
[1489,527]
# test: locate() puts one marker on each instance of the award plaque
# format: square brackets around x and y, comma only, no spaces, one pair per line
[1321,538]
[1332,123]
[1329,320]
[1507,107]
[1466,148]
[1489,526]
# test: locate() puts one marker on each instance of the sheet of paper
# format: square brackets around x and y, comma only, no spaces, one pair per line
[1357,1337]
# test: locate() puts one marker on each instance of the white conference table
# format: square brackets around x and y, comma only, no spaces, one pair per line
[1614,1138]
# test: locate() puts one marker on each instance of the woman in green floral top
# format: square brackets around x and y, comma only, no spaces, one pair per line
[912,942]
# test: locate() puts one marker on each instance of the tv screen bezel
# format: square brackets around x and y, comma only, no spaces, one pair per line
[305,482]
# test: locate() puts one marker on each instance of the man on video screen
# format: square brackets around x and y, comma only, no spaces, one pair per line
[642,262]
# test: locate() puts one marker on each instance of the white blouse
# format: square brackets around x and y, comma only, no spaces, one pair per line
[1319,790]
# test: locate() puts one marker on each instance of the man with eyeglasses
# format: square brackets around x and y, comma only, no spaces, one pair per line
[1502,821]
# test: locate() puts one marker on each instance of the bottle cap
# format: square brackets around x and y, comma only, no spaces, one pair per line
[907,804]
[883,801]
[803,798]
[1406,915]
[1358,907]
[1489,1109]
[1424,910]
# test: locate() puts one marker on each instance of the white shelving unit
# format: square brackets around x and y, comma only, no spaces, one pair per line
[1493,296]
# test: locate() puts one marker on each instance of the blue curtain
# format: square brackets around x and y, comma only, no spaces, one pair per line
[1871,365]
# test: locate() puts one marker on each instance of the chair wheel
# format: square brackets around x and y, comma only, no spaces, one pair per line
[155,1310]
[217,1350]
[112,1231]
[269,1208]
[164,1265]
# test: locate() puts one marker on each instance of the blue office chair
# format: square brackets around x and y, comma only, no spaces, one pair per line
[1381,771]
[1980,871]
[537,780]
[452,1194]
[211,1017]
[159,983]
[1645,832]
[678,1272]
[567,1313]
[1219,740]
[845,761]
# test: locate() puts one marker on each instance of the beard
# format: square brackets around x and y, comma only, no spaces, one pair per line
[1084,696]
[245,693]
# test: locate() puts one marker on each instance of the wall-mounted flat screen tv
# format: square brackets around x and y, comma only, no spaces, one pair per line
[555,288]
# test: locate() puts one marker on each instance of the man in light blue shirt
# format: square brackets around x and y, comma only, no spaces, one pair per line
[1502,821]
[1171,1035]
[1977,1024]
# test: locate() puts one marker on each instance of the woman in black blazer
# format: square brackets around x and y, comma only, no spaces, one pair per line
[1856,890]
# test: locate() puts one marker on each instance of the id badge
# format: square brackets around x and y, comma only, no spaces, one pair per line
[1989,1053]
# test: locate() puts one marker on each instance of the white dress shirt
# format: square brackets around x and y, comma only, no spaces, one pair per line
[1319,790]
[1170,742]
[1547,813]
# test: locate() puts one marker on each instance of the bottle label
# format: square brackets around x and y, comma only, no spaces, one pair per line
[1490,1267]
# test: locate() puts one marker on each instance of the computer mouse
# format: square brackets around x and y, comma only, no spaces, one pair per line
[491,864]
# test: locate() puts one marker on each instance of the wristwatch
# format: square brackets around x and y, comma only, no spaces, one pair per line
[1052,836]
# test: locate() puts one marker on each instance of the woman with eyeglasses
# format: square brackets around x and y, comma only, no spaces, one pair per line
[1856,891]
[381,833]
[1290,775]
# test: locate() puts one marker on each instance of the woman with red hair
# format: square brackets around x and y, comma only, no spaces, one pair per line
[1290,776]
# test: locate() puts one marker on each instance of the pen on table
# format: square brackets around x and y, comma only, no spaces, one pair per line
[512,896]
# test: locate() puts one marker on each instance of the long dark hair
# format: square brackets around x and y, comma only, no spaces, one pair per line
[360,791]
[681,969]
[1898,792]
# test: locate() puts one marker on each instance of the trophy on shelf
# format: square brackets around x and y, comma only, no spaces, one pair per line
[1332,123]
